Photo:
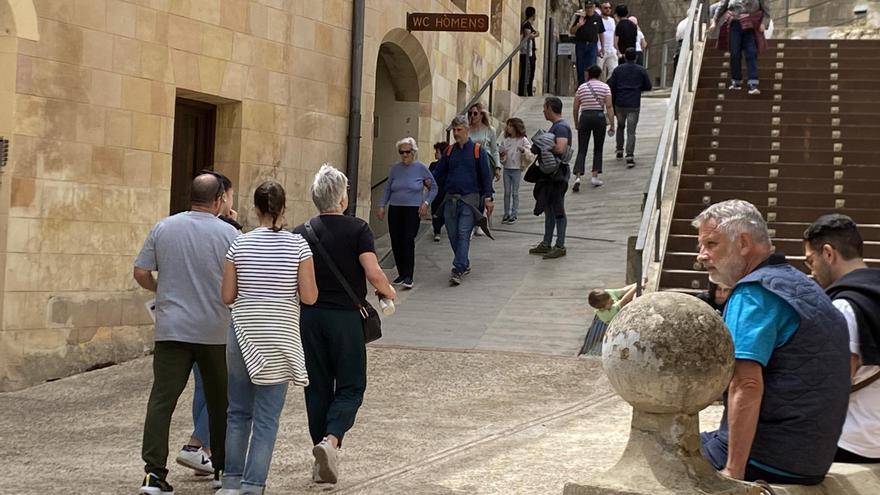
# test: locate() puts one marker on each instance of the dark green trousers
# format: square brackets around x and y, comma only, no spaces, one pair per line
[172,364]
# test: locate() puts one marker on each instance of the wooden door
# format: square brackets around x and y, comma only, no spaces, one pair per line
[193,148]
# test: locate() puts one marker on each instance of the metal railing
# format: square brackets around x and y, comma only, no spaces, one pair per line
[650,227]
[489,84]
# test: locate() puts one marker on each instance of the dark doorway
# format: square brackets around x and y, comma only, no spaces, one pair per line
[193,148]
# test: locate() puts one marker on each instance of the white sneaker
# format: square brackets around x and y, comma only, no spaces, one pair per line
[596,182]
[195,459]
[325,460]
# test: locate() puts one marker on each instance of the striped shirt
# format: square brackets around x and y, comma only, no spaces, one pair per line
[586,98]
[266,263]
[265,315]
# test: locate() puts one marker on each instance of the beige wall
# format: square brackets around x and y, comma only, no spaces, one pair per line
[92,131]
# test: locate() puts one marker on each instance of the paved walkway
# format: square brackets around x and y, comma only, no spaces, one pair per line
[516,302]
[433,422]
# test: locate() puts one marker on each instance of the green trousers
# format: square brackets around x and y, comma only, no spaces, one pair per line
[172,364]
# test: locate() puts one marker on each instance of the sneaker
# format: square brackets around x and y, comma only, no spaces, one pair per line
[194,458]
[467,271]
[555,252]
[398,280]
[408,283]
[217,482]
[505,219]
[619,154]
[735,86]
[630,162]
[455,278]
[596,182]
[753,89]
[478,232]
[325,458]
[436,237]
[577,186]
[153,485]
[511,220]
[541,248]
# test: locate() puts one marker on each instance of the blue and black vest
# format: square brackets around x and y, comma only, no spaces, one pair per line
[806,381]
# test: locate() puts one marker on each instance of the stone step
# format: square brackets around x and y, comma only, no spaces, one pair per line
[790,230]
[790,83]
[781,171]
[785,97]
[687,260]
[800,117]
[787,184]
[781,198]
[812,143]
[803,214]
[793,246]
[796,156]
[786,131]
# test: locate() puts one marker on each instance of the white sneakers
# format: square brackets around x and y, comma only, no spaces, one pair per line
[195,459]
[325,468]
[596,182]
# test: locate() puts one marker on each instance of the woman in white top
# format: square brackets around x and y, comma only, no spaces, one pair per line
[481,132]
[593,114]
[641,43]
[512,148]
[268,272]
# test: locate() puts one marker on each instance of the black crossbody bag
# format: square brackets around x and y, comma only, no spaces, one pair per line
[371,323]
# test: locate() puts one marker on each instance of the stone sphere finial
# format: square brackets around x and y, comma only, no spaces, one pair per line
[668,352]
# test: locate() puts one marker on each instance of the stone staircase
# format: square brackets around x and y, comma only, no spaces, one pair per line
[808,145]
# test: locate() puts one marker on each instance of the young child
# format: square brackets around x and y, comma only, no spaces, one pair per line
[511,150]
[608,302]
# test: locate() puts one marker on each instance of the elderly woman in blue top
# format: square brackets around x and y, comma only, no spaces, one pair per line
[407,203]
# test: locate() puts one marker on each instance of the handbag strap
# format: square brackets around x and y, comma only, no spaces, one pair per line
[864,383]
[595,96]
[310,234]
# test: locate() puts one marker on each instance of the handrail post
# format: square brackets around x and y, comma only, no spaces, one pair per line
[664,61]
[510,76]
[491,95]
[659,221]
[639,274]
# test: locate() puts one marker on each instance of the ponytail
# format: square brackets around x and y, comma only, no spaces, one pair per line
[269,198]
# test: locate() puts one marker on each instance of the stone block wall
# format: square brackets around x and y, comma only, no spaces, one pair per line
[90,108]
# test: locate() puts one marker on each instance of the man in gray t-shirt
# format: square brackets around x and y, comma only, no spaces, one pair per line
[188,250]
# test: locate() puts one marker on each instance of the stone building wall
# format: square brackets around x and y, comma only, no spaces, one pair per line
[90,107]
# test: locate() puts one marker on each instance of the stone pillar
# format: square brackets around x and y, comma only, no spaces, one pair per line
[669,356]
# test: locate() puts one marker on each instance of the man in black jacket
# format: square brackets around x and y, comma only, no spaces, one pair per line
[833,250]
[627,83]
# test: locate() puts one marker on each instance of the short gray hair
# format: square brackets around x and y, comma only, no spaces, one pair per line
[459,121]
[328,188]
[410,141]
[735,217]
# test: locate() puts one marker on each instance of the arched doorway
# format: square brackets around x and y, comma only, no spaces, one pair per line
[403,95]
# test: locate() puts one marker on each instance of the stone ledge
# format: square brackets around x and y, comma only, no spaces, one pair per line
[842,479]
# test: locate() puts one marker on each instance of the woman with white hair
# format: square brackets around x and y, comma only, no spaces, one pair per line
[331,328]
[407,203]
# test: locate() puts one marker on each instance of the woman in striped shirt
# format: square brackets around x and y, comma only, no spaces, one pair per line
[593,113]
[268,272]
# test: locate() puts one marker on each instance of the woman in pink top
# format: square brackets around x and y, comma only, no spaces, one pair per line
[593,114]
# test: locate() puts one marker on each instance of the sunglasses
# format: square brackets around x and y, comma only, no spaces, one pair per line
[475,113]
[405,152]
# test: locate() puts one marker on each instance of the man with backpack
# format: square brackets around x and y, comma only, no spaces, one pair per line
[550,174]
[463,172]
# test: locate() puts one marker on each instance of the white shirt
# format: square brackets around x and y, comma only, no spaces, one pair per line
[608,35]
[861,431]
[639,38]
[680,29]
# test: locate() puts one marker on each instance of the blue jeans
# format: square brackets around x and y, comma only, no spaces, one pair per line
[550,221]
[511,191]
[743,40]
[200,410]
[714,450]
[585,55]
[251,425]
[459,225]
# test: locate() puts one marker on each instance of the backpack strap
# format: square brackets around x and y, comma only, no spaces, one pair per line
[476,151]
[449,151]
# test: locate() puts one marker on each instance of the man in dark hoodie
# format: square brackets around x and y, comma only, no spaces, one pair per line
[833,250]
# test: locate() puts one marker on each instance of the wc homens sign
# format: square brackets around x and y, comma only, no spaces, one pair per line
[471,23]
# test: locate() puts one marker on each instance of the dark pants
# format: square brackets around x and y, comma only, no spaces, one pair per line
[585,55]
[740,41]
[848,457]
[336,360]
[715,451]
[526,74]
[403,226]
[590,122]
[627,121]
[559,221]
[172,363]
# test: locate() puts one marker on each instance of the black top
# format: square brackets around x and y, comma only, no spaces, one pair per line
[861,288]
[344,238]
[627,33]
[591,29]
[530,46]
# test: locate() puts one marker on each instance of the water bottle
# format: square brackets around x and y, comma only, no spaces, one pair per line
[387,306]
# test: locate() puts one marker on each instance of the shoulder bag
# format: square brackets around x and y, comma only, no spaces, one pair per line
[371,323]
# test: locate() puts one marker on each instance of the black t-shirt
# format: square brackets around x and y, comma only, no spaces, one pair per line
[627,33]
[344,238]
[591,29]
